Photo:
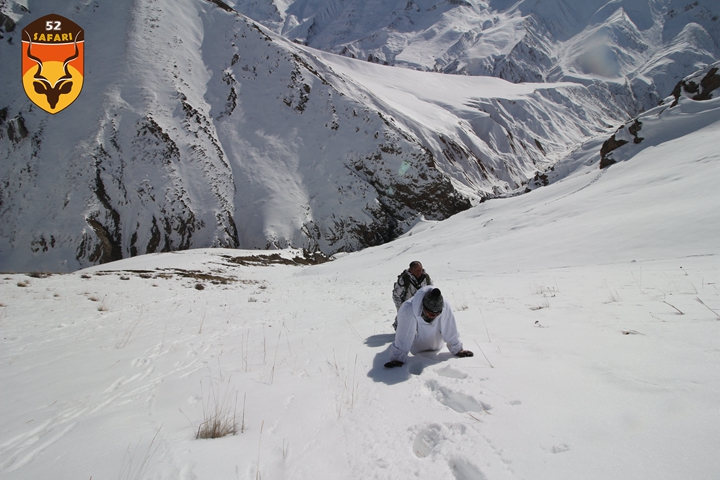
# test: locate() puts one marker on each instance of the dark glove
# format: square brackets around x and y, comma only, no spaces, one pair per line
[464,353]
[393,364]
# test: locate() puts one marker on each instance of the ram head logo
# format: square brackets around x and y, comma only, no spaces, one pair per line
[52,62]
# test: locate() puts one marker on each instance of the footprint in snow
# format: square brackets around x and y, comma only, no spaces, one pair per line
[464,470]
[458,401]
[426,440]
[554,447]
[563,447]
[450,372]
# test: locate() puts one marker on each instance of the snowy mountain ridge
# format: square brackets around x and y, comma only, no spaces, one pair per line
[233,137]
[199,127]
[636,48]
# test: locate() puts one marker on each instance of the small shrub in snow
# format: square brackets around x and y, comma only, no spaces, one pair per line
[544,304]
[219,415]
[217,427]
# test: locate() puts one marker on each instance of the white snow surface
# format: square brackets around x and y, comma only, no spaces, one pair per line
[592,306]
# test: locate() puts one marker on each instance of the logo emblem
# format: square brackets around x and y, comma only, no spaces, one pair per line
[53,62]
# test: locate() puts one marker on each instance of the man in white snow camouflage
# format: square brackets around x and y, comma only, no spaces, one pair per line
[407,285]
[424,323]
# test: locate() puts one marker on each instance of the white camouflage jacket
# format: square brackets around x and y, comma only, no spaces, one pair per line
[407,285]
[416,335]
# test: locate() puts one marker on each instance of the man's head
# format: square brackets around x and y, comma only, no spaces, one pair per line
[416,269]
[433,304]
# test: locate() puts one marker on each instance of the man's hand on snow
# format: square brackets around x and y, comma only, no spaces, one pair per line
[464,353]
[393,364]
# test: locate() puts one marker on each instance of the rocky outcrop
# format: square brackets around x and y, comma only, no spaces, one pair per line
[701,86]
[625,142]
[614,142]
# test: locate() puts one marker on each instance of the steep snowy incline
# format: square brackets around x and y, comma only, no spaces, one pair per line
[199,128]
[592,306]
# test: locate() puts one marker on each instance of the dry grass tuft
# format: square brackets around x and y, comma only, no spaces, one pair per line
[219,415]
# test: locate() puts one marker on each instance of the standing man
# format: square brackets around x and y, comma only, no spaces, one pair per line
[425,322]
[407,285]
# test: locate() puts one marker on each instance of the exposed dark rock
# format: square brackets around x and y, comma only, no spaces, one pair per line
[613,143]
[16,129]
[222,5]
[702,91]
[108,246]
[7,24]
[106,249]
[634,129]
[708,84]
[610,144]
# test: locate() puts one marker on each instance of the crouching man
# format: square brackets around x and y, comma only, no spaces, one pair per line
[424,323]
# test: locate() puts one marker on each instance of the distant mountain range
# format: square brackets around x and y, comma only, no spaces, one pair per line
[636,48]
[205,123]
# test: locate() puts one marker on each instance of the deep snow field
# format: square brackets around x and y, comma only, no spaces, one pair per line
[592,306]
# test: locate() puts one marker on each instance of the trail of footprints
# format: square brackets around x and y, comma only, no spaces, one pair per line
[432,435]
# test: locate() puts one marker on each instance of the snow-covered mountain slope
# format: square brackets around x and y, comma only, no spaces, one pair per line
[196,127]
[592,306]
[635,48]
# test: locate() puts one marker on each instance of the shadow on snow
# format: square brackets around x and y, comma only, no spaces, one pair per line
[414,365]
